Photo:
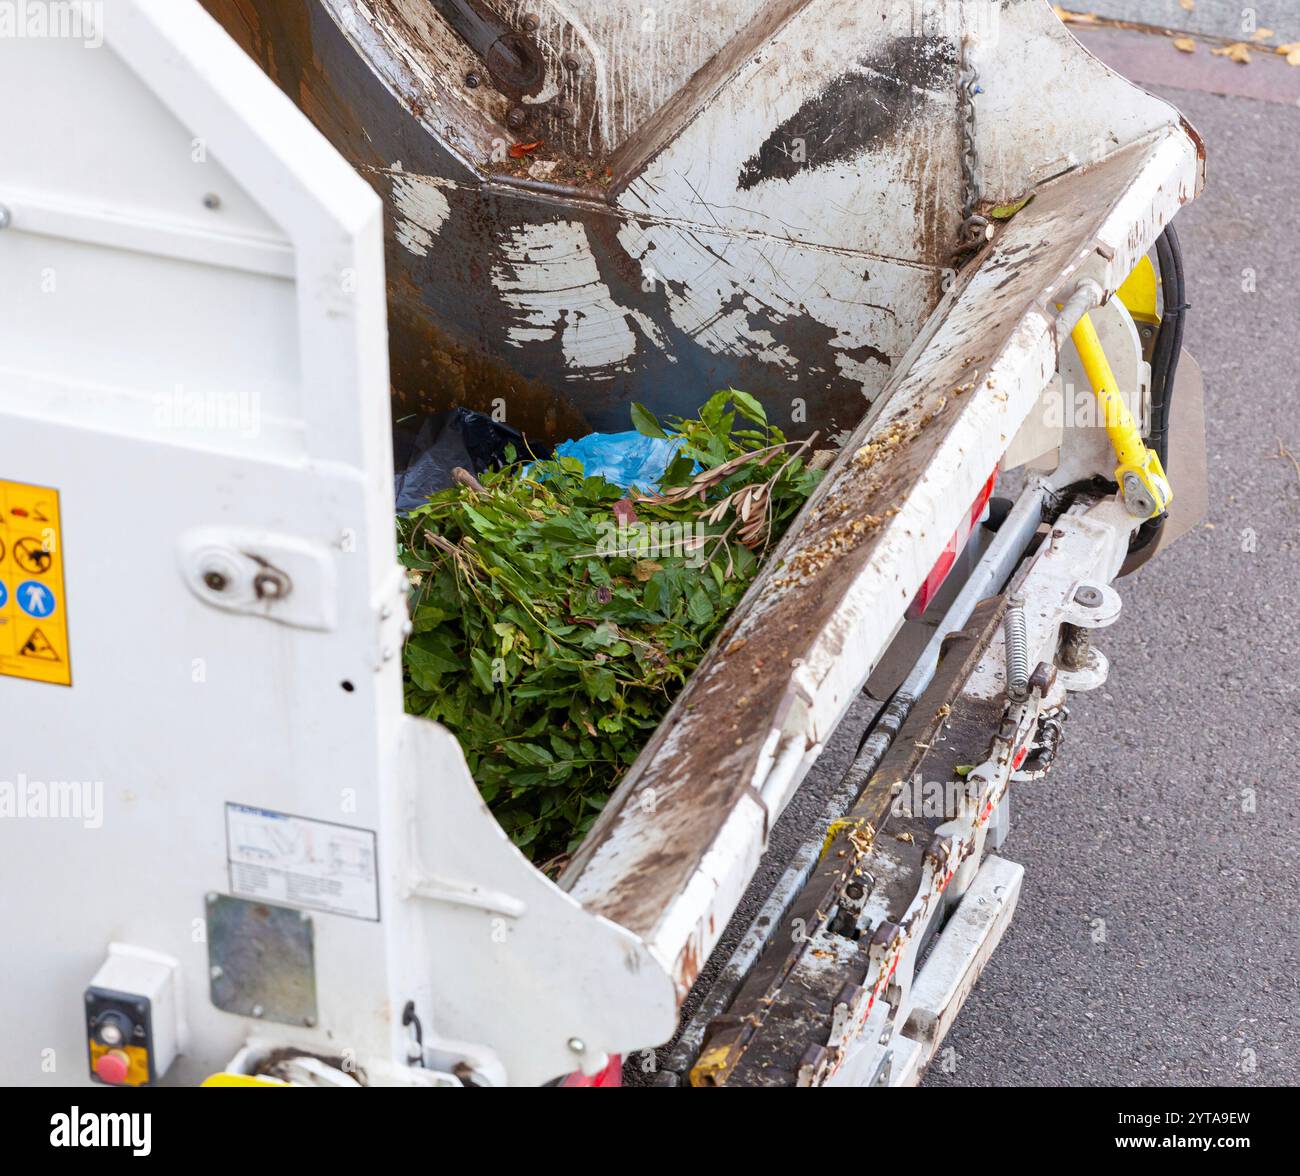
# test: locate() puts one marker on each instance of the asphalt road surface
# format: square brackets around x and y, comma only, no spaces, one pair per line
[1158,936]
[1157,940]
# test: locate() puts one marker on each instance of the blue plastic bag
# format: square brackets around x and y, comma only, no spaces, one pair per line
[626,459]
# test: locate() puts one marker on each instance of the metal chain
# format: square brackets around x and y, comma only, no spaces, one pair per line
[974,229]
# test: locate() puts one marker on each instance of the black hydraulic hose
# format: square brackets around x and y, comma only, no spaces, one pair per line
[1164,364]
[1169,340]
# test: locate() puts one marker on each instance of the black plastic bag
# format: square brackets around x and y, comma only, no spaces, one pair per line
[426,456]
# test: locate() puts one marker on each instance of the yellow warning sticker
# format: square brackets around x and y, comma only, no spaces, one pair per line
[33,607]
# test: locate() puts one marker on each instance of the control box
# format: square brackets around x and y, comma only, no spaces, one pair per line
[134,1027]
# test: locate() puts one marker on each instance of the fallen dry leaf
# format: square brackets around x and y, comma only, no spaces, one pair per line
[1185,44]
[1188,5]
[1261,34]
[519,150]
[1291,52]
[1074,17]
[1239,52]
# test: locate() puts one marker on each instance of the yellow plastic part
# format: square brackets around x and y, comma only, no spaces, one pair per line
[1140,293]
[1143,484]
[227,1079]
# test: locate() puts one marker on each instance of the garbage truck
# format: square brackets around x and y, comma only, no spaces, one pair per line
[240,236]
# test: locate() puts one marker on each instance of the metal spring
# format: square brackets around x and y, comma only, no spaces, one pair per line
[1017,641]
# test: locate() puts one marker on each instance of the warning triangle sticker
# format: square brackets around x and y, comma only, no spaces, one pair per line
[38,646]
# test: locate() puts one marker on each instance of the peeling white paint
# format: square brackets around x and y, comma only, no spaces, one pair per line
[725,291]
[548,274]
[422,207]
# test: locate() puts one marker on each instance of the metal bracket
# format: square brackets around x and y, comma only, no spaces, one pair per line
[278,577]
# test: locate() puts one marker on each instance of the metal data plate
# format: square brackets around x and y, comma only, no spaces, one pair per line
[261,960]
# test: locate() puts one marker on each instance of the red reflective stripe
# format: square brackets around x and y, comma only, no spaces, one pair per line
[939,573]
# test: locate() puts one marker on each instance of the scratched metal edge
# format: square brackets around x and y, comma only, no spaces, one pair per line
[634,886]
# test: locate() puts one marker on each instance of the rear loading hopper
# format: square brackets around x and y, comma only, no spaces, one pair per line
[889,223]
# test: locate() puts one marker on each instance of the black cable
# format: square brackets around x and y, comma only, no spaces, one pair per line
[1164,365]
[1169,340]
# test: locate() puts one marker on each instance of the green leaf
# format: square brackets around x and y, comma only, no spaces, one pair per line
[482,668]
[747,406]
[599,683]
[645,422]
[698,606]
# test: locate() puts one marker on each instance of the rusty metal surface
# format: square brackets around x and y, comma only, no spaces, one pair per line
[559,294]
[758,194]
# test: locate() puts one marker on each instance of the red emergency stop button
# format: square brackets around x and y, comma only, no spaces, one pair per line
[113,1067]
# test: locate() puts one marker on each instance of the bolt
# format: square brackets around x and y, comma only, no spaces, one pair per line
[1136,498]
[258,1010]
[571,62]
[516,118]
[212,201]
[1089,597]
[530,22]
[270,586]
[473,79]
[562,111]
[215,971]
[309,1022]
[212,897]
[215,580]
[577,1045]
[6,217]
